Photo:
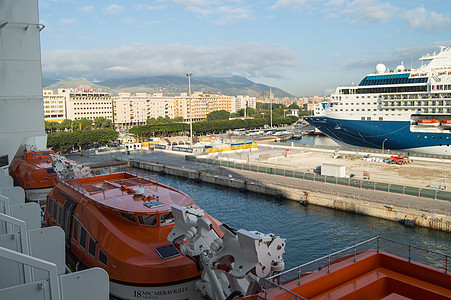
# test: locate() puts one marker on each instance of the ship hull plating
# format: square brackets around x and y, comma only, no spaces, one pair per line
[393,135]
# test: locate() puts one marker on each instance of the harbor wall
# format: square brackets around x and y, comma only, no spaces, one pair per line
[393,213]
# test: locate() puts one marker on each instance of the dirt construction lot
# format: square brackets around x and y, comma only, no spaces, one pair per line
[417,172]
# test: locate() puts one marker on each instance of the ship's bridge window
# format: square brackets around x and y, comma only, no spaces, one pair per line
[166,219]
[150,220]
[128,217]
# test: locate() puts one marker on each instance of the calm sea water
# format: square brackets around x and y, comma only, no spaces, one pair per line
[315,140]
[311,232]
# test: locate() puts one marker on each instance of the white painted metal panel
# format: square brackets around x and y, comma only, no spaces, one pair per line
[88,284]
[34,290]
[14,276]
[48,244]
[19,10]
[29,212]
[16,194]
[21,106]
[6,181]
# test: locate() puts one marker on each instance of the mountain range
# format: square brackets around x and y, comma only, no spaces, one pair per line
[172,85]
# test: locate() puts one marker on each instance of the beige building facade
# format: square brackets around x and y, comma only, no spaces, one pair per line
[54,106]
[131,110]
[87,103]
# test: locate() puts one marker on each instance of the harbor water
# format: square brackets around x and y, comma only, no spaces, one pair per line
[311,232]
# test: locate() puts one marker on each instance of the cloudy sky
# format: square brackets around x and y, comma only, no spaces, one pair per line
[306,47]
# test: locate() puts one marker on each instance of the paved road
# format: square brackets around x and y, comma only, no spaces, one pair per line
[167,158]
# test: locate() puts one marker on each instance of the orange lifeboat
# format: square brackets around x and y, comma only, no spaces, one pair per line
[34,172]
[429,122]
[446,123]
[120,222]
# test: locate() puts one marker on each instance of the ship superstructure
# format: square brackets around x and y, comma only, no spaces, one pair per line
[400,109]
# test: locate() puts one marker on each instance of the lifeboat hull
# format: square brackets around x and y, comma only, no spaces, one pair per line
[185,290]
[34,173]
[429,122]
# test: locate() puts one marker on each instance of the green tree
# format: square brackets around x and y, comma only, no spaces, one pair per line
[66,124]
[218,115]
[293,106]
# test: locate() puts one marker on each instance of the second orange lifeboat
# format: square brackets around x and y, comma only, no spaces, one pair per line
[33,171]
[429,122]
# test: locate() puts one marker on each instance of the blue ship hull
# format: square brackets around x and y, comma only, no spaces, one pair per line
[394,135]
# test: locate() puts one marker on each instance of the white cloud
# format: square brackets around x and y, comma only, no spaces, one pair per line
[291,4]
[88,8]
[393,58]
[423,20]
[232,14]
[368,11]
[67,21]
[248,60]
[113,9]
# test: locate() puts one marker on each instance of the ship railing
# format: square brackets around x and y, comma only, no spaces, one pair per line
[411,253]
[143,178]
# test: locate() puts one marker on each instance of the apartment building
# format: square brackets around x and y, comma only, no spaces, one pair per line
[243,102]
[198,107]
[54,106]
[131,110]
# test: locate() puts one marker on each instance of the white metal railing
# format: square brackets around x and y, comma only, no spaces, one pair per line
[327,261]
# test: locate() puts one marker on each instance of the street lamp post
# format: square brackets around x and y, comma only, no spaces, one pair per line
[383,145]
[270,104]
[190,108]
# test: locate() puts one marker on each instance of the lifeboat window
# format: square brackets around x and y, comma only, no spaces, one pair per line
[50,171]
[60,215]
[103,258]
[166,218]
[75,230]
[129,217]
[92,246]
[55,210]
[83,235]
[49,207]
[148,220]
[45,153]
[35,154]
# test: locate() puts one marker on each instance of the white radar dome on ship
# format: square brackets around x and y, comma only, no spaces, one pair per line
[380,68]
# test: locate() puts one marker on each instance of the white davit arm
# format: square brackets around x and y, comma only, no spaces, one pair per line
[68,169]
[231,264]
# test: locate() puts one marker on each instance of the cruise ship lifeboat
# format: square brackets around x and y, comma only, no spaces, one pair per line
[33,171]
[120,222]
[446,123]
[428,122]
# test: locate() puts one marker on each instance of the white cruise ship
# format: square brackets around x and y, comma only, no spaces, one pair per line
[402,109]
